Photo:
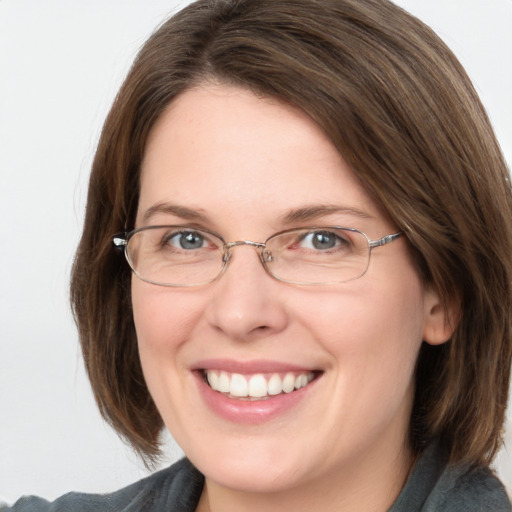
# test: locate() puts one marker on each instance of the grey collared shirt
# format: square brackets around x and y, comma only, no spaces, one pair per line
[431,487]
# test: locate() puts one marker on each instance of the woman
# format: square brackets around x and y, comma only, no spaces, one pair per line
[317,222]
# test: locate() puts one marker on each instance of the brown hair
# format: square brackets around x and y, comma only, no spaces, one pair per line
[400,108]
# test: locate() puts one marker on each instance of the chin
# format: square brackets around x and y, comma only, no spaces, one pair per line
[249,466]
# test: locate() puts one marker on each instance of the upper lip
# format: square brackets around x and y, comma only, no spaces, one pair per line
[249,367]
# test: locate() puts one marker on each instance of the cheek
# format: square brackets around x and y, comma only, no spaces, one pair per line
[365,316]
[164,323]
[373,333]
[163,319]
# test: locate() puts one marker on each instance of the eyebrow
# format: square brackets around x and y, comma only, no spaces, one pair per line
[304,214]
[313,212]
[173,209]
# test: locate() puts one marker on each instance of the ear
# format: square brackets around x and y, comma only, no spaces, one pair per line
[440,320]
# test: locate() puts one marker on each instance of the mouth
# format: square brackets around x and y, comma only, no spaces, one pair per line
[258,386]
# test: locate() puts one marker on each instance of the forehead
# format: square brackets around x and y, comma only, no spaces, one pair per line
[222,150]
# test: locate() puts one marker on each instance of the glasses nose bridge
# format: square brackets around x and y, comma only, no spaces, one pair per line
[258,245]
[228,246]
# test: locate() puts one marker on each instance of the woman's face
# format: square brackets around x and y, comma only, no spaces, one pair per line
[245,167]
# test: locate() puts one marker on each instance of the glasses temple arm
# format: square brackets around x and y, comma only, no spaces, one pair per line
[384,240]
[119,241]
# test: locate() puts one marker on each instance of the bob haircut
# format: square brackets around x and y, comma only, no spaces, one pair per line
[398,106]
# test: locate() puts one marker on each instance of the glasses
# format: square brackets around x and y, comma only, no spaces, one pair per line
[184,256]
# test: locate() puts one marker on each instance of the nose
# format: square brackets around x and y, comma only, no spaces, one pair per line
[247,302]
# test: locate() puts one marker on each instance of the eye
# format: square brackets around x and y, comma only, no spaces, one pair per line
[188,240]
[322,241]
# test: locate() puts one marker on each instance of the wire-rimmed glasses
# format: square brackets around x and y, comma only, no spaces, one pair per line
[183,256]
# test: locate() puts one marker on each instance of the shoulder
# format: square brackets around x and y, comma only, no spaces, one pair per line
[176,488]
[434,486]
[468,490]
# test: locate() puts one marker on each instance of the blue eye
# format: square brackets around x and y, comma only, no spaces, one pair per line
[322,240]
[188,240]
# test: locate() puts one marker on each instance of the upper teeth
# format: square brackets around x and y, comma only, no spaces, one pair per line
[257,385]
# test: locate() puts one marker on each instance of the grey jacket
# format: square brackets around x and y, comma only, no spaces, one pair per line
[431,487]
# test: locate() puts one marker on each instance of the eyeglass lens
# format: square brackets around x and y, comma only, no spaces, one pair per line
[182,256]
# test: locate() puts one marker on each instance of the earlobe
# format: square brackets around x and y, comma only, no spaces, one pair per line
[440,319]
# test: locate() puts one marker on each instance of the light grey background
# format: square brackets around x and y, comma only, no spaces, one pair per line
[61,62]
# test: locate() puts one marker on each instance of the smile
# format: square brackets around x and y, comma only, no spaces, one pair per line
[257,386]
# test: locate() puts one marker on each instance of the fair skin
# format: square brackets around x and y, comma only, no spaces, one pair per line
[239,165]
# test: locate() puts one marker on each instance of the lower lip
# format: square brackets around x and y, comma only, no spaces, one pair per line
[251,412]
